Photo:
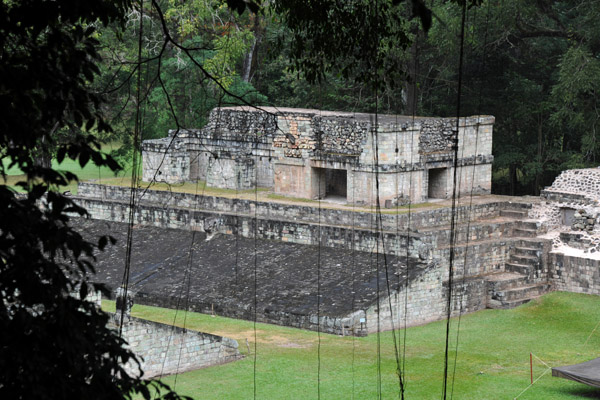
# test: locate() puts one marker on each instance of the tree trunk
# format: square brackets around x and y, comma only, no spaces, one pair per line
[410,89]
[248,62]
[247,69]
[540,148]
[42,156]
[512,177]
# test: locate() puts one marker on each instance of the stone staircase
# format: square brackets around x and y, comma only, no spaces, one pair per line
[523,276]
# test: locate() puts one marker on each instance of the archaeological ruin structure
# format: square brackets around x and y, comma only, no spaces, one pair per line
[314,154]
[374,269]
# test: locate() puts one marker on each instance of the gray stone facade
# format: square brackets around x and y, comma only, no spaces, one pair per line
[314,154]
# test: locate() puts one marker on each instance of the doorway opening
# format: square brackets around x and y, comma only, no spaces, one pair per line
[438,183]
[330,184]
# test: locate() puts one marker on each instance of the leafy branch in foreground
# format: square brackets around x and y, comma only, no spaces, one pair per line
[54,344]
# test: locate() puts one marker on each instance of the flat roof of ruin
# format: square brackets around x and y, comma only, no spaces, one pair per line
[381,118]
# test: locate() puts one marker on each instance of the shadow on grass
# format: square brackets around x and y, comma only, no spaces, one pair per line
[583,392]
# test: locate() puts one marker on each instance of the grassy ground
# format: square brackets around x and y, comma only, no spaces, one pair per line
[89,172]
[492,362]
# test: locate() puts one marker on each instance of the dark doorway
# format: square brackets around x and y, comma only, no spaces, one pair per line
[337,182]
[438,183]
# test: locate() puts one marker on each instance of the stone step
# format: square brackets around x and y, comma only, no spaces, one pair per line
[504,280]
[524,232]
[514,297]
[516,214]
[524,259]
[528,251]
[518,206]
[506,305]
[521,292]
[519,268]
[532,243]
[527,225]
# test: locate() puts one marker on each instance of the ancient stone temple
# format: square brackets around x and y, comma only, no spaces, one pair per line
[317,154]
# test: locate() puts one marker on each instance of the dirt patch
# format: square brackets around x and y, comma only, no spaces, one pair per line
[264,338]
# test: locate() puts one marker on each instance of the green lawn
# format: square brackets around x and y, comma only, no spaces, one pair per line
[492,362]
[89,172]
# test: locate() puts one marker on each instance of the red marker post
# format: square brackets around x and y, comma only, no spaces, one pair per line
[531,367]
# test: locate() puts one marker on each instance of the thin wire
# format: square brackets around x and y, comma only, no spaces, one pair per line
[470,207]
[453,218]
[319,177]
[375,166]
[187,276]
[353,272]
[255,263]
[537,379]
[134,175]
[593,330]
[410,190]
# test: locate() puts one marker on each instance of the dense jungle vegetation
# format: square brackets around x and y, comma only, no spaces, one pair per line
[532,64]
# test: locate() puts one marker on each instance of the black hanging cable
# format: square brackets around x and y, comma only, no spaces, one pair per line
[319,180]
[380,236]
[479,102]
[353,274]
[134,172]
[186,277]
[189,274]
[413,112]
[454,188]
[254,365]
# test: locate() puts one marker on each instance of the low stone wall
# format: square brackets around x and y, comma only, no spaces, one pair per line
[468,233]
[311,214]
[273,229]
[165,349]
[574,273]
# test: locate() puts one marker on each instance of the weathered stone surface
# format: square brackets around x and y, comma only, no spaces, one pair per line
[165,349]
[220,276]
[288,150]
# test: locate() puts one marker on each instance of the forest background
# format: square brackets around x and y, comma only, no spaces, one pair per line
[532,64]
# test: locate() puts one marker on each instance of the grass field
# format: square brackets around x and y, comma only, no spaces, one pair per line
[492,360]
[89,172]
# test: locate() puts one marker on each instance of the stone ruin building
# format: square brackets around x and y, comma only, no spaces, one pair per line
[315,154]
[507,250]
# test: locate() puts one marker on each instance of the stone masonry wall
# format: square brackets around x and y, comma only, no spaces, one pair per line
[166,349]
[279,148]
[486,252]
[361,217]
[165,160]
[249,226]
[425,300]
[575,274]
[582,182]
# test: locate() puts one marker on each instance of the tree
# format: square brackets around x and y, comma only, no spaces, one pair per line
[534,66]
[192,61]
[53,345]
